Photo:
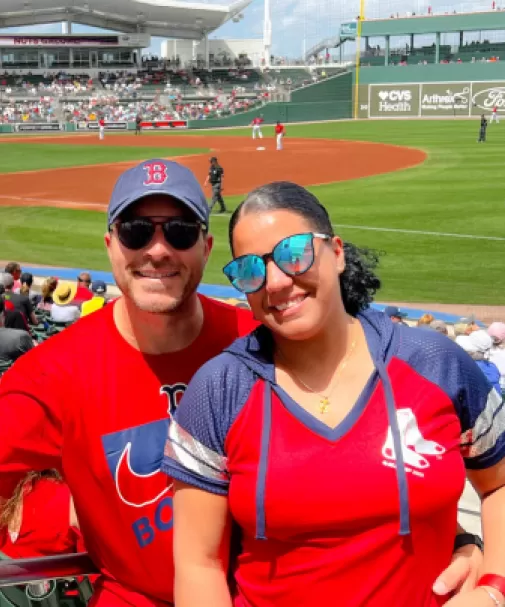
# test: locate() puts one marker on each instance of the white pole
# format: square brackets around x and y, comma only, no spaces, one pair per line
[267,34]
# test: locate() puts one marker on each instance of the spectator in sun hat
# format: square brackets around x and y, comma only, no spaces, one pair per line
[64,308]
[497,354]
[478,344]
[395,314]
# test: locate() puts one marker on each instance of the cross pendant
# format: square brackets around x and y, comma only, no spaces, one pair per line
[324,404]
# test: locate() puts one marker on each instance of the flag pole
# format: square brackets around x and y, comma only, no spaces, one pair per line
[358,57]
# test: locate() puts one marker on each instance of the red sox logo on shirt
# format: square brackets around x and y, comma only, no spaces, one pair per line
[135,454]
[414,445]
[156,173]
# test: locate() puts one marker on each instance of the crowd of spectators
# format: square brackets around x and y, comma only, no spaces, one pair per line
[486,345]
[29,314]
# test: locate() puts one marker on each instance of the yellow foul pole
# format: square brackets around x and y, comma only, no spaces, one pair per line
[358,56]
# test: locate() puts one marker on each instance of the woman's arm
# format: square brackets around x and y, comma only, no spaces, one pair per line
[490,484]
[202,528]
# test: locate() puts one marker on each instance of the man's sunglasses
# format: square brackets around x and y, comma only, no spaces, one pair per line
[293,255]
[137,233]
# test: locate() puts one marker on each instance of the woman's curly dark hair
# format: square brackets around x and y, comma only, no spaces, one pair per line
[358,282]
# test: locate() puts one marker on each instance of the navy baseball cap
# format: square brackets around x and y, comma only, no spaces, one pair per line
[99,287]
[158,176]
[395,311]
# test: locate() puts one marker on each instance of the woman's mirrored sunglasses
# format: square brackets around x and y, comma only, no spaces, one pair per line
[293,255]
[179,233]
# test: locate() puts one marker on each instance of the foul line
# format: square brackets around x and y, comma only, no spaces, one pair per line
[401,231]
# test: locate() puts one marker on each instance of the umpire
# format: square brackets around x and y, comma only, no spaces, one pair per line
[215,177]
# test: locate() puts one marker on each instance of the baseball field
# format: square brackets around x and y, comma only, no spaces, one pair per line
[423,193]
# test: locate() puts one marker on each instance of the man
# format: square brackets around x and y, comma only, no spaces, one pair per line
[13,342]
[101,126]
[138,124]
[83,292]
[256,127]
[96,399]
[20,302]
[279,134]
[14,269]
[482,130]
[215,177]
[395,314]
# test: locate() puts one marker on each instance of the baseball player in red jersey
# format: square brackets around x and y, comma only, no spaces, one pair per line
[101,125]
[494,115]
[256,127]
[279,134]
[95,402]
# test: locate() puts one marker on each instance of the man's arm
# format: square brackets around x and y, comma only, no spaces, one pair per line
[31,421]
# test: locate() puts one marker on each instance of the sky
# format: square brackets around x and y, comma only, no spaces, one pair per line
[299,24]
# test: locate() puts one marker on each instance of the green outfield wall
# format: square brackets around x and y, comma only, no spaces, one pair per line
[449,72]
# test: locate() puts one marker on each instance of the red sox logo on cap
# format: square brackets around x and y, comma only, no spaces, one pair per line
[156,173]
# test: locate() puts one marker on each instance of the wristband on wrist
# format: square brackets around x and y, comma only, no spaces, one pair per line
[467,539]
[497,582]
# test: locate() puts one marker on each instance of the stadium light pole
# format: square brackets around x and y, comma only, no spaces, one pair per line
[358,56]
[267,33]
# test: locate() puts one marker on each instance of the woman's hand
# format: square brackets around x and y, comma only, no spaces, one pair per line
[461,575]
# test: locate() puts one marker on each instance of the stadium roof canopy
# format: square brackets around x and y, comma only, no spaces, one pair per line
[166,18]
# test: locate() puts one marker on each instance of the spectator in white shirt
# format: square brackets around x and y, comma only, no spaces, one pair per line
[62,309]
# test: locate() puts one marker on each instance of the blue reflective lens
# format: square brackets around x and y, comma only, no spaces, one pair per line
[247,273]
[294,255]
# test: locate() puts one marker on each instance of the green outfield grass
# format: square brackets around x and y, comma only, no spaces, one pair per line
[460,189]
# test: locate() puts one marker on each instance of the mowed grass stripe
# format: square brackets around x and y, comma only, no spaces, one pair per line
[37,156]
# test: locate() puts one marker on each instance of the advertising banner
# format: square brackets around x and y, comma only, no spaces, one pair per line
[445,99]
[24,127]
[165,125]
[486,96]
[349,30]
[393,100]
[109,126]
[431,99]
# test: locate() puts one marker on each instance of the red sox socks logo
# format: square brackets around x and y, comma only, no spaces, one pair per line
[156,173]
[414,445]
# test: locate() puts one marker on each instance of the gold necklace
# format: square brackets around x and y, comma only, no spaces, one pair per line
[324,402]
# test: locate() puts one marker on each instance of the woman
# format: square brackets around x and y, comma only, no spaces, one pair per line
[39,519]
[48,288]
[330,436]
[478,345]
[497,355]
[26,288]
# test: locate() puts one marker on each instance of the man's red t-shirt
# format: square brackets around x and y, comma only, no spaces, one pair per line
[90,405]
[279,128]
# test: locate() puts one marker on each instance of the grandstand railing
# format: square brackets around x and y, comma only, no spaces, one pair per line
[14,572]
